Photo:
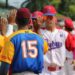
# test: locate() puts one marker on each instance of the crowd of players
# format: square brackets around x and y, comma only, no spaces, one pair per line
[36,44]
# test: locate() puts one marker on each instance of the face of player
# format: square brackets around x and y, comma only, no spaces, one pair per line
[50,22]
[40,21]
[37,22]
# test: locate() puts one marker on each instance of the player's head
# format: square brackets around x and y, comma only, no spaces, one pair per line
[23,17]
[37,18]
[49,12]
[69,24]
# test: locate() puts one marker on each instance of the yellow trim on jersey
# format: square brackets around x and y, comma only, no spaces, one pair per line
[8,52]
[20,31]
[45,47]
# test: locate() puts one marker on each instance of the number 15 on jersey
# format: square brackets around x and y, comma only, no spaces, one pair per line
[29,48]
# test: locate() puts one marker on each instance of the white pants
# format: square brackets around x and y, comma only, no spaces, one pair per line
[24,73]
[69,67]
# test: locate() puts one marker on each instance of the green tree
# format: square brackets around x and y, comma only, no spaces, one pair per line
[55,3]
[34,5]
[64,5]
[72,11]
[67,7]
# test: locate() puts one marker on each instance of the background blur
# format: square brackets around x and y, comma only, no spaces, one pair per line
[65,8]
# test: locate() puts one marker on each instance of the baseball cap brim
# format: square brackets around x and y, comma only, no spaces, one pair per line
[34,17]
[49,14]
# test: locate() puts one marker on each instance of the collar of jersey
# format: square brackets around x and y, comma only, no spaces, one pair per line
[20,31]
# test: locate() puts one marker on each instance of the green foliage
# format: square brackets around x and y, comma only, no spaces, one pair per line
[72,2]
[55,3]
[64,5]
[37,4]
[72,8]
[67,8]
[34,5]
[72,11]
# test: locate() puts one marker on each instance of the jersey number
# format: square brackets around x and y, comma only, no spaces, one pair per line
[29,49]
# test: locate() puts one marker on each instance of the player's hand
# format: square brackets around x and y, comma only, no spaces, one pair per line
[11,16]
[3,21]
[3,25]
[73,62]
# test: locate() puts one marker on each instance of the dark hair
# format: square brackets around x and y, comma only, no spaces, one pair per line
[22,21]
[68,29]
[34,19]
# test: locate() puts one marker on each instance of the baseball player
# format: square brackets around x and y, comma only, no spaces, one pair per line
[58,40]
[11,27]
[68,64]
[24,49]
[37,19]
[3,25]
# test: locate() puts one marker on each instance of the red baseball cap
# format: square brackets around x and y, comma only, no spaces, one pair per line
[49,10]
[69,23]
[37,14]
[23,13]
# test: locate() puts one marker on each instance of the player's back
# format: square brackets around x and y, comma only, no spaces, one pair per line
[28,52]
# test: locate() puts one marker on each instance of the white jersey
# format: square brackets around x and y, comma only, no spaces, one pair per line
[57,51]
[9,30]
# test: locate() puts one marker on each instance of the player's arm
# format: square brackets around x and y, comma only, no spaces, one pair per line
[45,47]
[70,43]
[6,57]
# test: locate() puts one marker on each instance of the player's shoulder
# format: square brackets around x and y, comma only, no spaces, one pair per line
[45,31]
[42,31]
[63,31]
[19,32]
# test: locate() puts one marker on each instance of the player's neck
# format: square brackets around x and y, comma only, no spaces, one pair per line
[23,28]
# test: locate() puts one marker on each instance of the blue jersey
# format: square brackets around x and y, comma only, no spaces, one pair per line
[28,54]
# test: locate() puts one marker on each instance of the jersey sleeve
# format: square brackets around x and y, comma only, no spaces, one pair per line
[45,47]
[8,52]
[2,43]
[70,42]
